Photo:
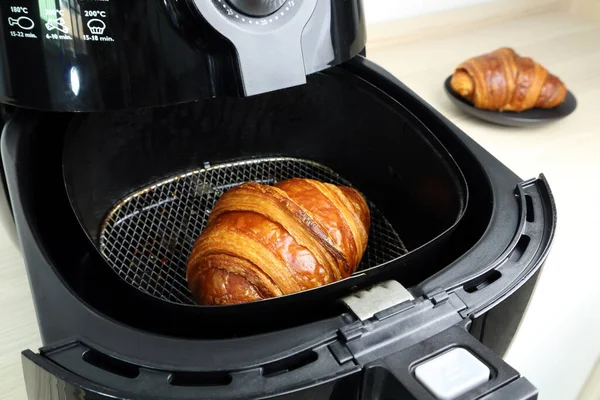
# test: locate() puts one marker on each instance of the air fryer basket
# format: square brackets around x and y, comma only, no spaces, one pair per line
[335,123]
[123,342]
[147,237]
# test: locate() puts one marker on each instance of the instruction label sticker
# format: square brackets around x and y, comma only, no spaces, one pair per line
[20,22]
[95,21]
[56,25]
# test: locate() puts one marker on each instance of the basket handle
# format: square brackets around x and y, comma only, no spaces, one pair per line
[410,373]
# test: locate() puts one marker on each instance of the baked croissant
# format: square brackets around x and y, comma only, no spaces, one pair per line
[263,241]
[504,81]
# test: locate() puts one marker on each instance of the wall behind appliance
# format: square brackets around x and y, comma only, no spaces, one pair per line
[386,10]
[587,8]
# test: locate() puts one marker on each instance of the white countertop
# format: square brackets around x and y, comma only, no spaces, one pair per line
[559,340]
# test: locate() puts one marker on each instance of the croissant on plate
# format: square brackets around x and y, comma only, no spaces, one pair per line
[264,241]
[504,81]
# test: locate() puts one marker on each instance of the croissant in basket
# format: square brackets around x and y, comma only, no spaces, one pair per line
[264,241]
[504,81]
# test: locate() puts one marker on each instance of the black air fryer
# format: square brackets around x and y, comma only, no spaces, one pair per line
[125,122]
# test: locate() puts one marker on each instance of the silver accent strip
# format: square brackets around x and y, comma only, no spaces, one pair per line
[368,302]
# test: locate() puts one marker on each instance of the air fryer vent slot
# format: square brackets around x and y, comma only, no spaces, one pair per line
[148,236]
[110,364]
[198,379]
[482,282]
[530,212]
[289,364]
[520,248]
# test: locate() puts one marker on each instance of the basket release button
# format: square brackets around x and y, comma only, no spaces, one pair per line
[452,374]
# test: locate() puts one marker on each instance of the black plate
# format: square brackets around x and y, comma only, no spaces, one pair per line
[528,117]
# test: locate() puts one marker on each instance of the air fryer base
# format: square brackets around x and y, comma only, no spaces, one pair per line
[320,356]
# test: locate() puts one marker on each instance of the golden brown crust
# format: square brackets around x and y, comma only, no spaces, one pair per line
[263,241]
[222,279]
[504,81]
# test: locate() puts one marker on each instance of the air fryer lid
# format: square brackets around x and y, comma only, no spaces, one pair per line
[109,55]
[353,130]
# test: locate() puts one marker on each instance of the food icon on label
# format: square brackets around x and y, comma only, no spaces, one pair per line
[22,22]
[96,26]
[58,24]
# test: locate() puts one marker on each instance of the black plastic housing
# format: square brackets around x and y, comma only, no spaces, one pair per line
[377,151]
[321,351]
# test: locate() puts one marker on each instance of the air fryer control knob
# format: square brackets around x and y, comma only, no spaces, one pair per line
[271,50]
[257,8]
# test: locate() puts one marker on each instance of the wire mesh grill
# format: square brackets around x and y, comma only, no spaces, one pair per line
[147,238]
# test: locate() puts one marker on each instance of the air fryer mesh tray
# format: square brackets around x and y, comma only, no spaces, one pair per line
[147,237]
